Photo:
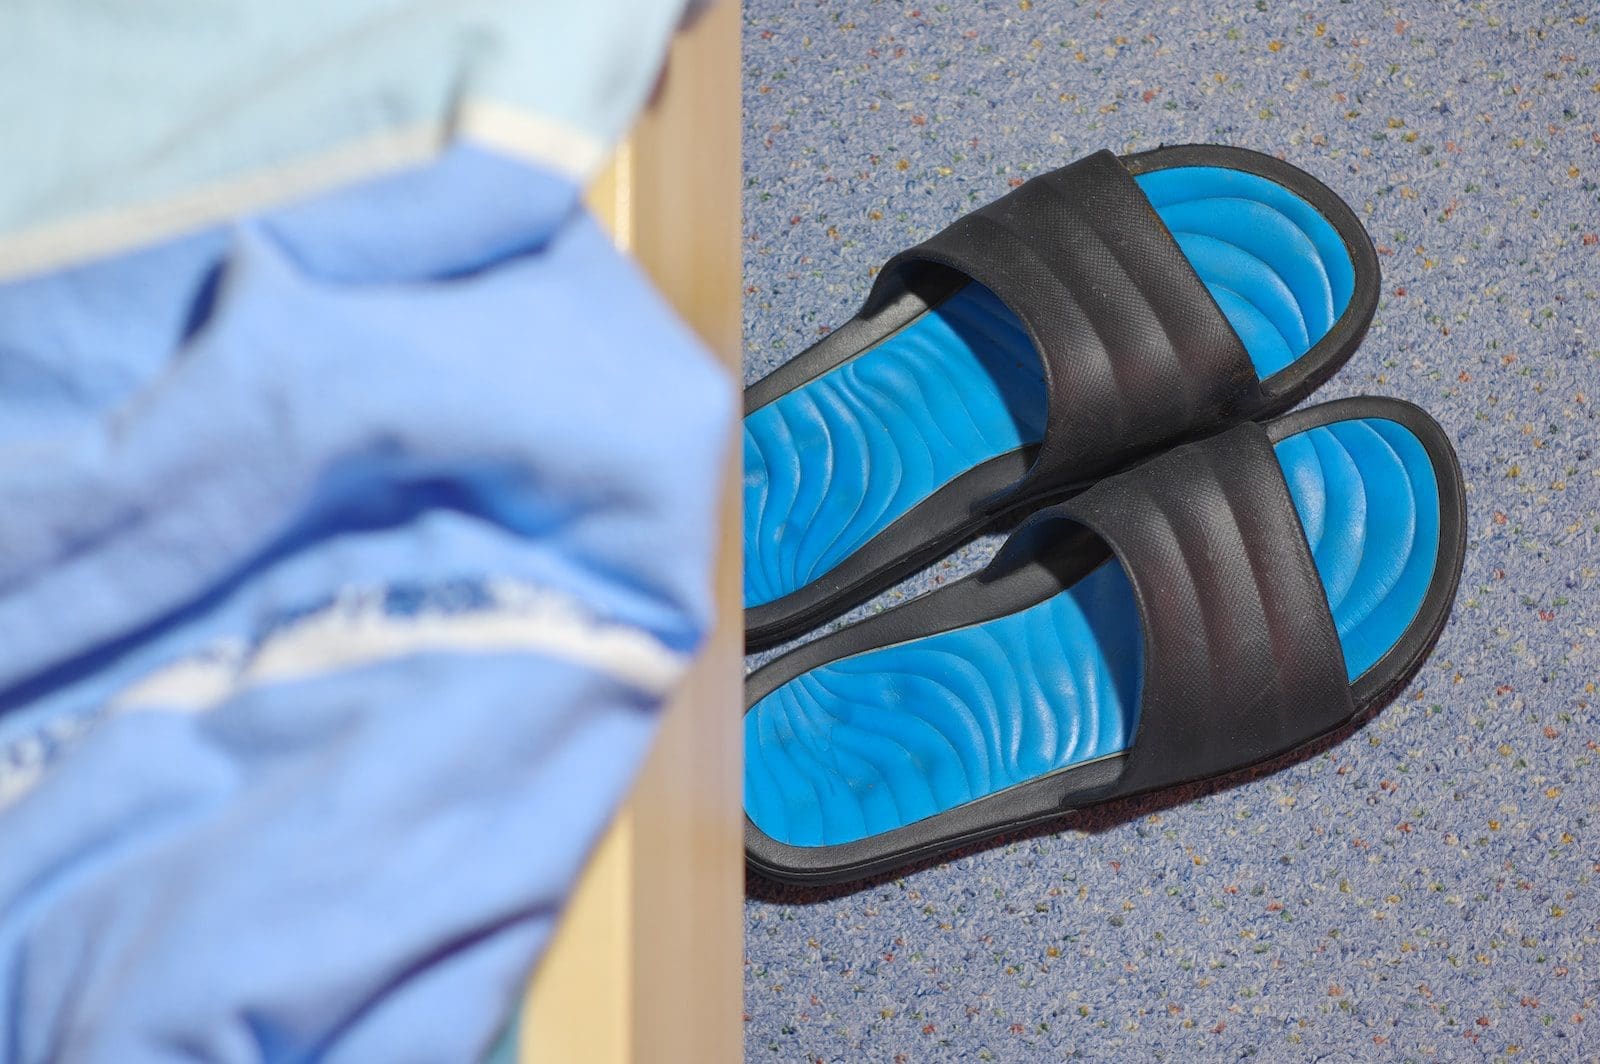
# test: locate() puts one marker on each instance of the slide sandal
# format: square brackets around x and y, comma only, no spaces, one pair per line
[1170,293]
[1214,607]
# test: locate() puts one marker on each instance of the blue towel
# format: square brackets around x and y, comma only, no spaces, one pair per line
[144,120]
[347,554]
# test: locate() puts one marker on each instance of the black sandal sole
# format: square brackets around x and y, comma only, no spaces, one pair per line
[966,506]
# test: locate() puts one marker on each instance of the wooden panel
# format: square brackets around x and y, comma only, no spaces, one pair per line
[580,1006]
[647,965]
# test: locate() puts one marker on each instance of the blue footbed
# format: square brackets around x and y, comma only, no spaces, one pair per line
[834,462]
[891,736]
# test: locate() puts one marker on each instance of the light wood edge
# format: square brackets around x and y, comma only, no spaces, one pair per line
[646,966]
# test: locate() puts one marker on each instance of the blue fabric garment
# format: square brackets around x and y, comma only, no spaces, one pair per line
[346,556]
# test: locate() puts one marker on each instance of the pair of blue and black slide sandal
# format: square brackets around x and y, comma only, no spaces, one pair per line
[1204,581]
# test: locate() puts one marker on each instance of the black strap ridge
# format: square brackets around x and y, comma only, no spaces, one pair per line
[1242,661]
[1135,350]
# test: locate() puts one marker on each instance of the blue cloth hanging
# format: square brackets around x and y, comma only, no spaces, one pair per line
[346,556]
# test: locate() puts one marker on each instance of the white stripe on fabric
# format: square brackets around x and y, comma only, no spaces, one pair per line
[357,631]
[361,629]
[525,136]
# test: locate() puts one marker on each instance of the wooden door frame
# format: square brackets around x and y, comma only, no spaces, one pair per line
[646,966]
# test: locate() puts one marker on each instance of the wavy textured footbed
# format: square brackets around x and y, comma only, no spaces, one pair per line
[834,462]
[891,736]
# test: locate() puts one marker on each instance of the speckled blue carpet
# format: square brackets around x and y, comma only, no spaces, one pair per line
[1425,889]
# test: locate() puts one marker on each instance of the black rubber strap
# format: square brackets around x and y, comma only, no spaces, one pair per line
[1241,661]
[1135,350]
